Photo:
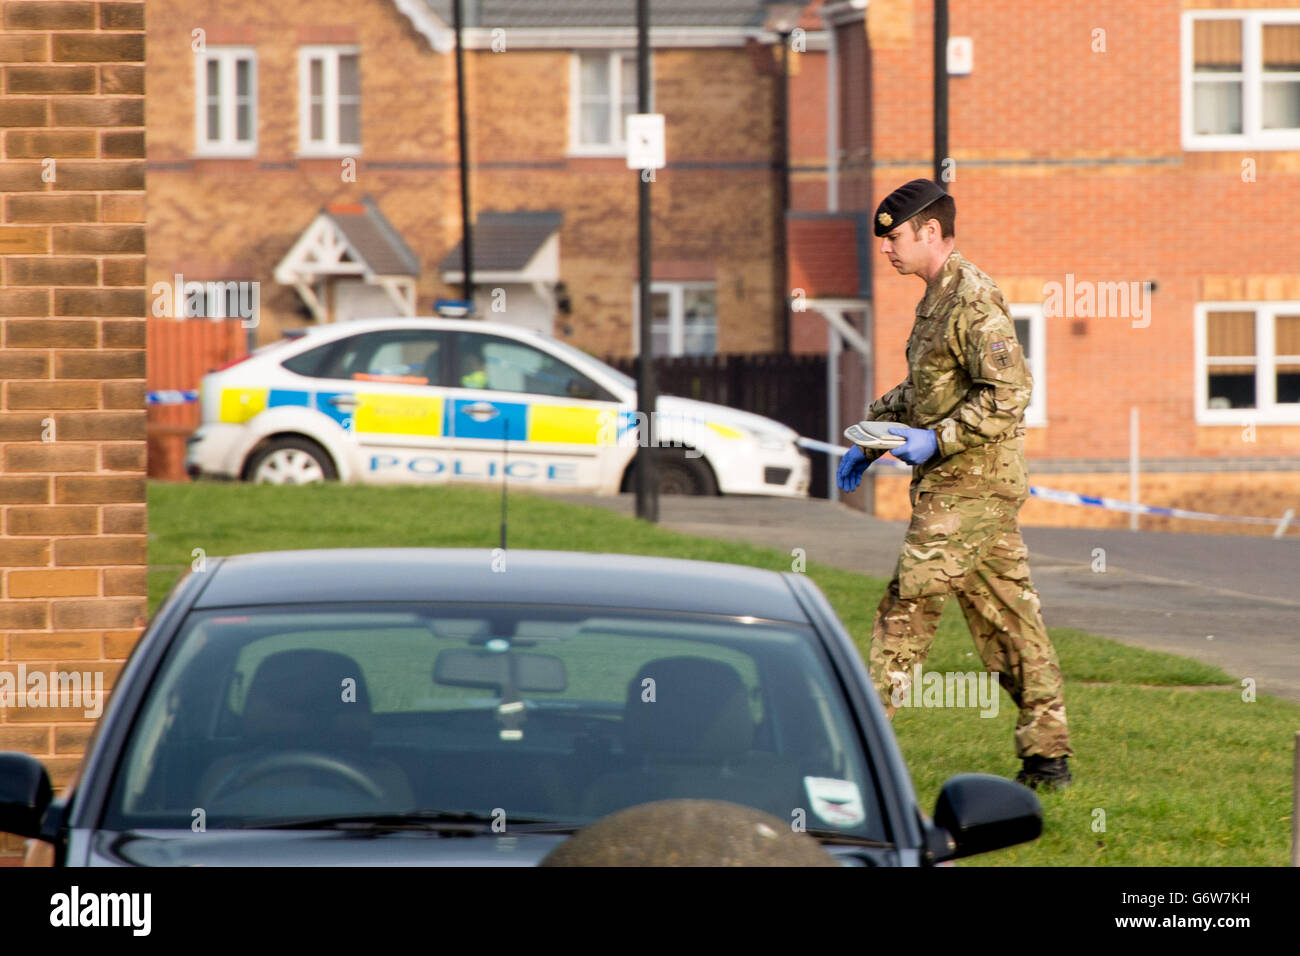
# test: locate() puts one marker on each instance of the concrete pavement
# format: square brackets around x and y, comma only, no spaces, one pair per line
[1228,600]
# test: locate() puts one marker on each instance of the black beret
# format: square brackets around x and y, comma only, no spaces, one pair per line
[905,202]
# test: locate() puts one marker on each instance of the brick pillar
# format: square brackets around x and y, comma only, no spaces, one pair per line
[72,362]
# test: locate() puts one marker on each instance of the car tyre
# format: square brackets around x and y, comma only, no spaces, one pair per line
[291,461]
[677,474]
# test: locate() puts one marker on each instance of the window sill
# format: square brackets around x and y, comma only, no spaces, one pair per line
[1234,143]
[1239,417]
[615,151]
[329,152]
[218,153]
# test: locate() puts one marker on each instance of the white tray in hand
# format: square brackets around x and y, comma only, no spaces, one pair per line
[874,434]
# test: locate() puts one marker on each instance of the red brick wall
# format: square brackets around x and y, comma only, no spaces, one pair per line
[72,301]
[1070,161]
[1245,493]
[235,219]
[808,130]
[716,210]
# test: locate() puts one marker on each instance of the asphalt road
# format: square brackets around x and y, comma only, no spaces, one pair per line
[1229,600]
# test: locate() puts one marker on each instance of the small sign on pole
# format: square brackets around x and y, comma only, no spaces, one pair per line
[645,141]
[961,56]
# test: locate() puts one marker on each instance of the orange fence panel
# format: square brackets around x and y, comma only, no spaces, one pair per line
[180,353]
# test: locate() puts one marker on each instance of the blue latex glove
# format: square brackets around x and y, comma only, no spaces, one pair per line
[920,447]
[852,465]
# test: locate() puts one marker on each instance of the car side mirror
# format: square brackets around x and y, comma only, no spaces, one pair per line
[25,794]
[980,812]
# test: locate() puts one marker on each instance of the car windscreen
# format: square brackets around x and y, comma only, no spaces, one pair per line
[527,712]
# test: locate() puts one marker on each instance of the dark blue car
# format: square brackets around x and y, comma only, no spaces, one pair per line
[430,707]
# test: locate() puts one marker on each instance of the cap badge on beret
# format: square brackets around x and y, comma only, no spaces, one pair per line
[905,202]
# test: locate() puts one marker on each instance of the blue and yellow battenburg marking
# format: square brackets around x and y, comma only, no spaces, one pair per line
[386,413]
[238,405]
[685,427]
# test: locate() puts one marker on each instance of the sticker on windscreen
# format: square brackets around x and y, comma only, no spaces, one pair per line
[837,802]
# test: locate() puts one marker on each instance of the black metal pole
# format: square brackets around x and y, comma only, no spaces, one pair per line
[467,243]
[647,485]
[783,190]
[940,89]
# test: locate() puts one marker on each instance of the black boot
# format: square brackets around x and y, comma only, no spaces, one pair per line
[1051,773]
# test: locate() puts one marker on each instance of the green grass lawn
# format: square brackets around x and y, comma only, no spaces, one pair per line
[1178,769]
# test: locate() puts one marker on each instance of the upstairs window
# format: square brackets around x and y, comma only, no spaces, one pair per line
[329,98]
[603,85]
[225,109]
[1241,79]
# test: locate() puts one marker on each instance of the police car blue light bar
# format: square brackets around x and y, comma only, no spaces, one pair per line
[453,308]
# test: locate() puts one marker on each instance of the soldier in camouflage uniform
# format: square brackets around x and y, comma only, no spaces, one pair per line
[963,403]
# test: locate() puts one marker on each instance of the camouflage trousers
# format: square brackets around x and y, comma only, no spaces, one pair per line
[971,547]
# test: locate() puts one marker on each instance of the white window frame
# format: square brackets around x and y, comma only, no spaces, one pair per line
[619,145]
[1267,410]
[330,145]
[227,102]
[1036,413]
[676,313]
[1251,135]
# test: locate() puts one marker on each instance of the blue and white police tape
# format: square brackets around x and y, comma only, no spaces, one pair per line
[1115,504]
[1074,498]
[172,397]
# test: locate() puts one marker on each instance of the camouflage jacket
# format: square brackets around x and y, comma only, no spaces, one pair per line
[967,379]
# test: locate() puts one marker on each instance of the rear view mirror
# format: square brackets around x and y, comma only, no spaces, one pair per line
[501,671]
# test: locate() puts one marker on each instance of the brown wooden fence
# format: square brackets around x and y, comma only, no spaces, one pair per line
[788,388]
[180,353]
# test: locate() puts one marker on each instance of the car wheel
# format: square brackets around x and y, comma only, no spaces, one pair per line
[678,475]
[291,461]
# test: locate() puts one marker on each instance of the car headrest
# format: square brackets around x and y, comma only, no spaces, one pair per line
[701,709]
[298,699]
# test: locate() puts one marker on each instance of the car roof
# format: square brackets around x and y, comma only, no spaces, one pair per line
[466,575]
[352,326]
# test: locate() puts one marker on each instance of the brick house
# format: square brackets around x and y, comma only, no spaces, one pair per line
[1127,174]
[270,122]
[72,423]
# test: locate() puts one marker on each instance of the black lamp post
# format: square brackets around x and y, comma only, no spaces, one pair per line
[647,478]
[782,19]
[467,243]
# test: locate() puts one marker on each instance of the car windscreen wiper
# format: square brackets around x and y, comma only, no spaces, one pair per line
[462,821]
[846,839]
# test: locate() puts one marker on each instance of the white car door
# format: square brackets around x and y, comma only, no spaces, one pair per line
[383,388]
[512,405]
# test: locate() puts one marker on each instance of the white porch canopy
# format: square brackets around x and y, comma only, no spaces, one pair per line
[351,241]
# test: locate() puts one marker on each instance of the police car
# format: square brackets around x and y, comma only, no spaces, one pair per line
[435,399]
